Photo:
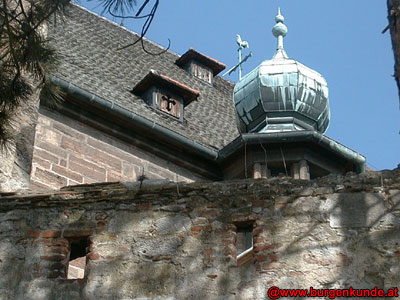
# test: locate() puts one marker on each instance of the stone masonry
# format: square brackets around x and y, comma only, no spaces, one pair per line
[162,240]
[67,152]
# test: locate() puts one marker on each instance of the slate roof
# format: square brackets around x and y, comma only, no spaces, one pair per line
[87,47]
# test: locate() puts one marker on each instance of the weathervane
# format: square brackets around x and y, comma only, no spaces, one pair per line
[242,45]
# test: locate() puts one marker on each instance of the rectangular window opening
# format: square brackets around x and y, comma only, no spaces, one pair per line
[244,243]
[77,258]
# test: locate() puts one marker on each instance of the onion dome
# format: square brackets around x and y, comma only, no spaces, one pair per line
[281,94]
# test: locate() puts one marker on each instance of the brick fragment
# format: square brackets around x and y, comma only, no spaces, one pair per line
[33,234]
[145,206]
[93,256]
[51,234]
[265,247]
[197,228]
[55,257]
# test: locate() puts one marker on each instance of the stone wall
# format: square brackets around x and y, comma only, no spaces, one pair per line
[67,152]
[163,240]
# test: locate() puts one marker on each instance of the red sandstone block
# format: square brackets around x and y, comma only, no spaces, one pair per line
[44,155]
[87,168]
[72,145]
[63,163]
[51,234]
[38,185]
[103,158]
[67,130]
[67,173]
[113,176]
[103,146]
[41,162]
[52,179]
[53,149]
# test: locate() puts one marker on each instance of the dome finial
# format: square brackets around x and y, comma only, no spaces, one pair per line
[279,31]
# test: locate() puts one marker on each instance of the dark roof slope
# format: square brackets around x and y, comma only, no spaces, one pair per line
[87,46]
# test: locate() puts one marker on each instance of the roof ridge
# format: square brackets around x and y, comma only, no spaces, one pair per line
[123,28]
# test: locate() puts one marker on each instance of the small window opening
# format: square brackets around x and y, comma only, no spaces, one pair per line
[169,104]
[244,243]
[77,258]
[202,72]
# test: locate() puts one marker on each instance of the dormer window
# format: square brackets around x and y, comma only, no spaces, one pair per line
[201,72]
[200,65]
[165,94]
[169,103]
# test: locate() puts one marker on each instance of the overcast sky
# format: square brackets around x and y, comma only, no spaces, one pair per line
[340,39]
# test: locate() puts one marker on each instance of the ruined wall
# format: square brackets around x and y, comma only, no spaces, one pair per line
[162,240]
[67,152]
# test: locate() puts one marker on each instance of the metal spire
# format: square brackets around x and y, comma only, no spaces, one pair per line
[279,31]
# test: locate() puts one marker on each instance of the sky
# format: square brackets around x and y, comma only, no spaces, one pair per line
[340,39]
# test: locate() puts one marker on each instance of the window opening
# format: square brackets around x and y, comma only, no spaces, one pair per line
[77,258]
[244,243]
[169,104]
[201,73]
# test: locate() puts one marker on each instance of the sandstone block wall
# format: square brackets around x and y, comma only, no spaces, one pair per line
[67,152]
[162,240]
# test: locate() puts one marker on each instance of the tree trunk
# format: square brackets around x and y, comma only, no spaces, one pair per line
[394,26]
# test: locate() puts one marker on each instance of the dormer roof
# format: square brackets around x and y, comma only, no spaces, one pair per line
[215,65]
[154,78]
